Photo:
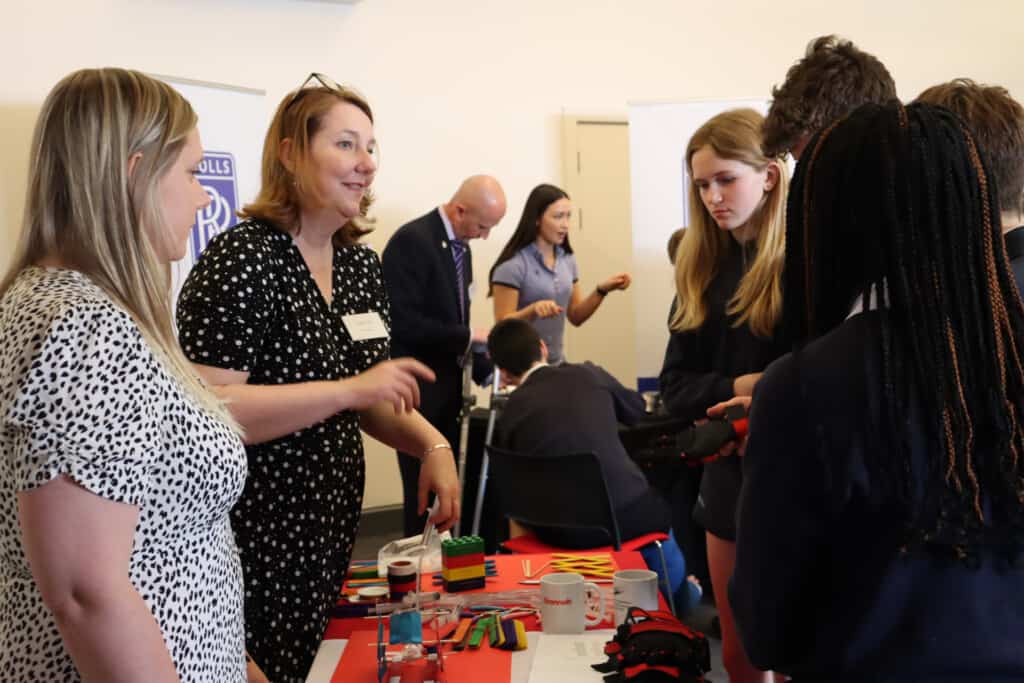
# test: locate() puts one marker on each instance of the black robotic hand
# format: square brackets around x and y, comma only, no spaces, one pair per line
[701,442]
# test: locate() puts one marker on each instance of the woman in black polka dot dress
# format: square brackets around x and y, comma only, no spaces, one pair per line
[117,467]
[287,316]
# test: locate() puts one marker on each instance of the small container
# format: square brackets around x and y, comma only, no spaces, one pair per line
[401,578]
[371,595]
[652,402]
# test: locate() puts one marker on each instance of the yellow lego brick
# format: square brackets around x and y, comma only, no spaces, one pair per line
[463,573]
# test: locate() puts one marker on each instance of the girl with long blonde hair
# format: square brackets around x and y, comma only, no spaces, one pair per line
[119,466]
[728,273]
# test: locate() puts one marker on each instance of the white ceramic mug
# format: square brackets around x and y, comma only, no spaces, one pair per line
[568,604]
[634,588]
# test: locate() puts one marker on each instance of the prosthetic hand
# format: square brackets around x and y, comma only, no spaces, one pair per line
[702,442]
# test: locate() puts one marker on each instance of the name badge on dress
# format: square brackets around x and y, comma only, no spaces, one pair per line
[363,326]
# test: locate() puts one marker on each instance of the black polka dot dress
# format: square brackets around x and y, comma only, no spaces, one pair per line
[82,395]
[251,305]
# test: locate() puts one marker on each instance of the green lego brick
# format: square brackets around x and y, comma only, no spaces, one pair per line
[463,545]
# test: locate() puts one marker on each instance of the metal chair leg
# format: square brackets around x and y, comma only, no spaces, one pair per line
[668,584]
[481,488]
[468,401]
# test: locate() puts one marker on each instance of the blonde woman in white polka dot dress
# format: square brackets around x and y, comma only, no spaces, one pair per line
[117,468]
[287,316]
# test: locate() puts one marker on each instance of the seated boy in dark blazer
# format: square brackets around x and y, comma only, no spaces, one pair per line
[573,408]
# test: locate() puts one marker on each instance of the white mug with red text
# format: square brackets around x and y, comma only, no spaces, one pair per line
[634,588]
[568,604]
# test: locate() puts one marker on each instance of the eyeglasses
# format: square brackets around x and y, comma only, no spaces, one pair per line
[345,91]
[325,82]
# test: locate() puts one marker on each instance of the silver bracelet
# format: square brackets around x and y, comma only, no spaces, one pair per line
[434,448]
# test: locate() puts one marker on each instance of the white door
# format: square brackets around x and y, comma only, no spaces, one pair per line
[596,172]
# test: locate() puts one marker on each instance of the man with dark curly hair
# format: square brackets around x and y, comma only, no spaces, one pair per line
[833,79]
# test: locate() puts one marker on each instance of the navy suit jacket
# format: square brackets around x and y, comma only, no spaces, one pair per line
[577,408]
[419,273]
[1015,250]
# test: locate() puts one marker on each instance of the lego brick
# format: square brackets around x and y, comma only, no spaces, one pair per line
[464,545]
[468,584]
[464,573]
[457,561]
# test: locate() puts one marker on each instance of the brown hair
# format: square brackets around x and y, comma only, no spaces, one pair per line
[734,134]
[832,79]
[282,193]
[996,121]
[673,243]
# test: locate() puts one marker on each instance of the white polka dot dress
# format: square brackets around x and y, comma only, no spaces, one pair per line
[82,395]
[251,305]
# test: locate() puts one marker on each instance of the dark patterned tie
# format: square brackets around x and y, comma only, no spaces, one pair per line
[459,254]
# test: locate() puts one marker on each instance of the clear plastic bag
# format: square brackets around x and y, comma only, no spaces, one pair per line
[412,548]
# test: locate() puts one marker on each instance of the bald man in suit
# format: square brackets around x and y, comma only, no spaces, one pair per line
[428,270]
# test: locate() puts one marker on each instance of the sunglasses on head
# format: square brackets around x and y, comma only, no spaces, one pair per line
[324,82]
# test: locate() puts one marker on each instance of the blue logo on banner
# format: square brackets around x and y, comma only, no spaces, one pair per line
[217,175]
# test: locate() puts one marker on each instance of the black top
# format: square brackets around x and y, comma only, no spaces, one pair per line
[700,365]
[573,408]
[821,590]
[1015,250]
[251,304]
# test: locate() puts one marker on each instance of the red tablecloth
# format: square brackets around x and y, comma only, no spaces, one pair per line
[510,573]
[358,662]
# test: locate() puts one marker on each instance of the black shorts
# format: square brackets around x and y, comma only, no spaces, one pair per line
[719,494]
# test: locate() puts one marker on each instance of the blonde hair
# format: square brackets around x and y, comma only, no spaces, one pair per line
[734,135]
[282,193]
[83,208]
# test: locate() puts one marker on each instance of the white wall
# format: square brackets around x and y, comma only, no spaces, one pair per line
[464,86]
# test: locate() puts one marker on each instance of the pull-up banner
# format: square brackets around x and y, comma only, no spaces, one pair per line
[232,125]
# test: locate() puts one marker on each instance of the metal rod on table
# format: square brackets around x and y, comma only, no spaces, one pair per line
[468,401]
[485,460]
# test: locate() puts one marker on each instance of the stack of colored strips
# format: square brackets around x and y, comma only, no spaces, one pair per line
[363,569]
[401,578]
[515,634]
[462,564]
[361,574]
[352,586]
[503,634]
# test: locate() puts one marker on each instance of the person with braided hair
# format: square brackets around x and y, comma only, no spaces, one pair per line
[881,520]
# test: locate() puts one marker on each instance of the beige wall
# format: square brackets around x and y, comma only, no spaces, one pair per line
[463,86]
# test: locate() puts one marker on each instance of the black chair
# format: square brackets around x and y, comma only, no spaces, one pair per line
[532,489]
